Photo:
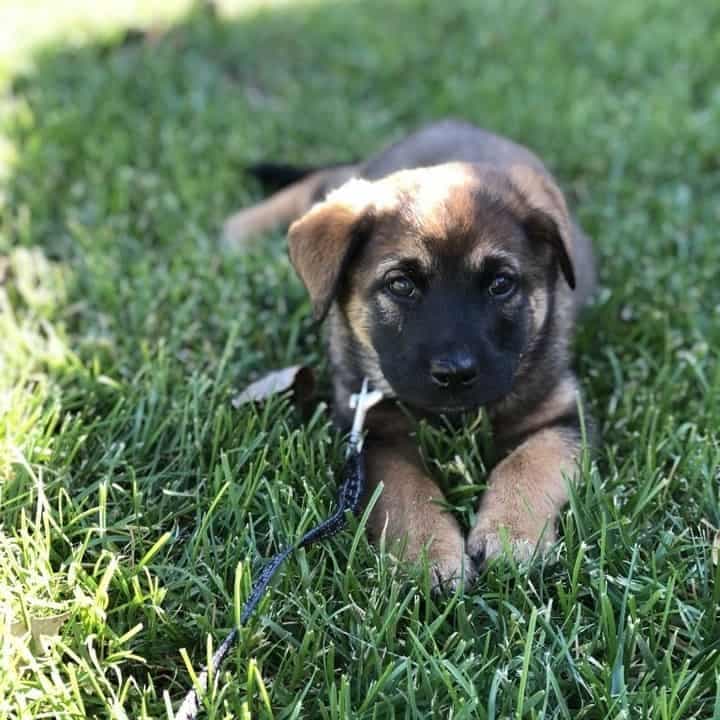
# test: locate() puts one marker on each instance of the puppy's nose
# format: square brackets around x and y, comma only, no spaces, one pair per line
[454,370]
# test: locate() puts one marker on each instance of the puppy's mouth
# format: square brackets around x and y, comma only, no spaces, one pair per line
[452,409]
[446,406]
[450,404]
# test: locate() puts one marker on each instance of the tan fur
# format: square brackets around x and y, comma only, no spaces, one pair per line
[358,319]
[539,304]
[440,206]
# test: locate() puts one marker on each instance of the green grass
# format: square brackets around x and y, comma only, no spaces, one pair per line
[135,501]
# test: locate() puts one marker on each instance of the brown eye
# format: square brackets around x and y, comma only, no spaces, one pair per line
[502,285]
[400,285]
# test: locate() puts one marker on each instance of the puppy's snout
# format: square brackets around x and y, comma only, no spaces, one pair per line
[454,371]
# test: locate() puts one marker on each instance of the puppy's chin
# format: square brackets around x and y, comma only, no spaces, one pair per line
[438,403]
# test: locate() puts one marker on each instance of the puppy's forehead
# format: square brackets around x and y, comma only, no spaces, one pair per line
[441,201]
[452,209]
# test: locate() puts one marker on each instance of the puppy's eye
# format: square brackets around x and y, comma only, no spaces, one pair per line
[502,285]
[400,285]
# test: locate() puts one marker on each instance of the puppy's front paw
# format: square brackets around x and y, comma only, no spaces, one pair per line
[497,530]
[450,570]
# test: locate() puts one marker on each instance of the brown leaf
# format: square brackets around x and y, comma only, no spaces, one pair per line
[40,630]
[298,378]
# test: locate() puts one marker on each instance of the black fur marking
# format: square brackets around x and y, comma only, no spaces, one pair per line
[276,176]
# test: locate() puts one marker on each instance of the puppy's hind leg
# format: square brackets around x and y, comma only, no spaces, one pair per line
[282,208]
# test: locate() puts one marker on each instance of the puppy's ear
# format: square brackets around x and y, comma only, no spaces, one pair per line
[323,242]
[545,215]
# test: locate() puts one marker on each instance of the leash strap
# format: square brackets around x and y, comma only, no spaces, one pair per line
[348,498]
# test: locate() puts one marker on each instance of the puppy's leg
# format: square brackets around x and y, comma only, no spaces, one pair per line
[280,209]
[527,490]
[408,511]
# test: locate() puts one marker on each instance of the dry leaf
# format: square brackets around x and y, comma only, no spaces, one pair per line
[40,629]
[298,378]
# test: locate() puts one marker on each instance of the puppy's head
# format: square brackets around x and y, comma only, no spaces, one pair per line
[445,276]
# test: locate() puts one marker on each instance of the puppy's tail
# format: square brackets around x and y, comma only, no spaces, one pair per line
[297,189]
[275,176]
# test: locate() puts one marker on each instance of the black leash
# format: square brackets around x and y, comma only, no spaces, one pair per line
[348,498]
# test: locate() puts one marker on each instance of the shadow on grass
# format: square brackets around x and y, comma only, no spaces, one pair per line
[130,150]
[130,154]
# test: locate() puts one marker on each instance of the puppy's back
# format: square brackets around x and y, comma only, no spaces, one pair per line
[448,141]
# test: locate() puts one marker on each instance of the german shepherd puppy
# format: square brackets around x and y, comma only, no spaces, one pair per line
[450,274]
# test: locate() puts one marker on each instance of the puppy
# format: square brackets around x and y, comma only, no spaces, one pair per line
[450,273]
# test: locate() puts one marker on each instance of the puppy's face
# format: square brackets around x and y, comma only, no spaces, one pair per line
[443,274]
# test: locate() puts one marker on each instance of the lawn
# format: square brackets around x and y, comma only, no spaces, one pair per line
[136,502]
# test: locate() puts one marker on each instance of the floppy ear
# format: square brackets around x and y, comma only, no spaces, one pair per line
[546,216]
[323,241]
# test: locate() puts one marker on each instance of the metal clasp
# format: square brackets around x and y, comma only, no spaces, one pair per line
[362,402]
